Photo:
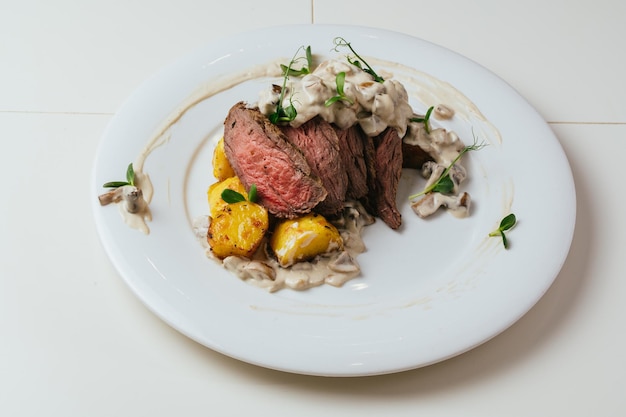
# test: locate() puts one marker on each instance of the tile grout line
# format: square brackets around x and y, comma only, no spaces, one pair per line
[56,112]
[586,123]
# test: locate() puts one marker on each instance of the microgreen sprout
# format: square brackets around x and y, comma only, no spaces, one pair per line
[341,42]
[445,184]
[341,96]
[130,179]
[506,224]
[424,119]
[287,114]
[252,194]
[306,69]
[232,196]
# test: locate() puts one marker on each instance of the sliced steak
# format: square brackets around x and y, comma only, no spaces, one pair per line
[352,149]
[260,154]
[414,156]
[320,145]
[369,156]
[388,169]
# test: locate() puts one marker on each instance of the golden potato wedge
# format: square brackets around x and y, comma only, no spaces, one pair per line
[221,167]
[237,229]
[303,239]
[214,194]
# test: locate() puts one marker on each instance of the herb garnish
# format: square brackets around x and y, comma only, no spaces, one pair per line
[339,80]
[232,196]
[339,41]
[130,179]
[287,114]
[445,184]
[424,119]
[506,224]
[306,69]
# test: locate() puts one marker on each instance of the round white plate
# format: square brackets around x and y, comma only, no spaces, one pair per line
[430,291]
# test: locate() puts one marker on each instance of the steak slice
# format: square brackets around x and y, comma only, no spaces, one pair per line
[388,169]
[414,156]
[369,156]
[352,150]
[261,155]
[320,145]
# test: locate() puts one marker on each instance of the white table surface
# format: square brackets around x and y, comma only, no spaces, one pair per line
[74,341]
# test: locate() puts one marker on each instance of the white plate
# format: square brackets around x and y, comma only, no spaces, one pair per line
[433,290]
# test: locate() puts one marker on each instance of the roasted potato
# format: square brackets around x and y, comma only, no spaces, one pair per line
[237,229]
[214,194]
[221,167]
[303,239]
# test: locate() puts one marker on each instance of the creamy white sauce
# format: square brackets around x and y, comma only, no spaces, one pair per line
[442,145]
[373,105]
[458,205]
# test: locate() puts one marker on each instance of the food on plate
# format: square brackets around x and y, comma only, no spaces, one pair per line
[507,223]
[444,177]
[386,172]
[221,166]
[304,238]
[308,251]
[319,144]
[260,154]
[132,197]
[329,142]
[237,229]
[325,152]
[215,191]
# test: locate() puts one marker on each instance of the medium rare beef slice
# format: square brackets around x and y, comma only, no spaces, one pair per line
[388,165]
[320,145]
[261,155]
[352,150]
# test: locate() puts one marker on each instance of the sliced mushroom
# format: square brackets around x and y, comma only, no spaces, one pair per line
[259,270]
[457,205]
[130,195]
[443,112]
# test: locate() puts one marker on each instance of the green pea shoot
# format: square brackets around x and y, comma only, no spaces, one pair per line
[424,119]
[130,179]
[445,184]
[232,196]
[289,113]
[341,42]
[341,96]
[506,224]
